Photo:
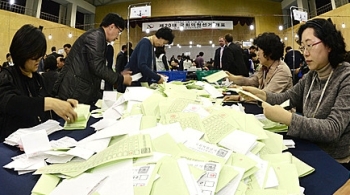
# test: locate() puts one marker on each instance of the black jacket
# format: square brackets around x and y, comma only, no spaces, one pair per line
[233,60]
[121,61]
[298,59]
[85,66]
[21,101]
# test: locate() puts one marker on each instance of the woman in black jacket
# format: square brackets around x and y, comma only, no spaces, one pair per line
[23,99]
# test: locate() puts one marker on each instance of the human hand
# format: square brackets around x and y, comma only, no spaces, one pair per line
[161,80]
[277,113]
[229,76]
[64,109]
[127,77]
[255,91]
[73,102]
[229,98]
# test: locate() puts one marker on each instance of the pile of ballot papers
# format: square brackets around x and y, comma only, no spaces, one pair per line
[170,142]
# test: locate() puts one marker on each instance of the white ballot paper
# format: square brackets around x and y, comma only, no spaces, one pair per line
[136,77]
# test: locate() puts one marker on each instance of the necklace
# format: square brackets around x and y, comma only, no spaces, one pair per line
[322,93]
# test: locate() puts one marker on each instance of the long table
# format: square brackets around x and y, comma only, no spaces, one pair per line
[327,178]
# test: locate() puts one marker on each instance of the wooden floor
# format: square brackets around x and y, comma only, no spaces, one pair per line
[344,190]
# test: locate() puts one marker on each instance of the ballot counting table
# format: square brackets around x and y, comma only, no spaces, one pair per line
[325,180]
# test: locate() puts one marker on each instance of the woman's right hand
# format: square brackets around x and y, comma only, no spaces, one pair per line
[64,109]
[255,91]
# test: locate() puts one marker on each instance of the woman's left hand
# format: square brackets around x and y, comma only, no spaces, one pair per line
[277,113]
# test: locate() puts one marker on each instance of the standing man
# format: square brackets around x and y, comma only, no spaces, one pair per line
[122,59]
[199,60]
[142,57]
[85,65]
[218,54]
[67,48]
[232,58]
[293,59]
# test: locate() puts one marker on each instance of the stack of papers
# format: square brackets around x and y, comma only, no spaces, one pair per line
[169,145]
[83,112]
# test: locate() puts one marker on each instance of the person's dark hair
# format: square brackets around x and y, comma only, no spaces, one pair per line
[330,37]
[347,56]
[288,48]
[113,18]
[252,55]
[130,45]
[67,45]
[50,63]
[159,50]
[252,47]
[201,53]
[271,44]
[27,43]
[8,55]
[53,48]
[124,47]
[229,38]
[165,33]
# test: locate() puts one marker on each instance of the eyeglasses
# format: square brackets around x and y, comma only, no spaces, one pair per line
[308,47]
[120,30]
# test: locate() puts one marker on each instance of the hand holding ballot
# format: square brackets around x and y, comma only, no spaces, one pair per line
[64,109]
[127,77]
[277,113]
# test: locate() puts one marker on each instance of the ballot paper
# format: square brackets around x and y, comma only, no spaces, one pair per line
[35,143]
[49,126]
[240,90]
[216,76]
[136,77]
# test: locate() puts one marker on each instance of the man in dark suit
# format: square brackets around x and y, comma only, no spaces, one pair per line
[218,54]
[232,58]
[122,59]
[295,63]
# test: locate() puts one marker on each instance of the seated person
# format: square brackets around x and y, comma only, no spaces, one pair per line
[23,99]
[323,93]
[274,75]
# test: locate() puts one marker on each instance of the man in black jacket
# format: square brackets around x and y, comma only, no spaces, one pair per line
[122,59]
[232,58]
[85,65]
[218,54]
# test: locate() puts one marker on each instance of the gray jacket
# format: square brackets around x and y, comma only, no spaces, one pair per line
[330,128]
[85,66]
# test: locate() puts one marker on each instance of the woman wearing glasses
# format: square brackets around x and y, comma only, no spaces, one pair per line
[323,93]
[23,98]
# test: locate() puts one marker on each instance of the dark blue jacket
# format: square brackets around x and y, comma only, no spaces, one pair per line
[141,61]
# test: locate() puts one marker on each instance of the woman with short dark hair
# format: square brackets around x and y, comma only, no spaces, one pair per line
[24,101]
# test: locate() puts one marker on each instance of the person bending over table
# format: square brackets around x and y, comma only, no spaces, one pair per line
[85,65]
[142,58]
[323,93]
[274,76]
[24,101]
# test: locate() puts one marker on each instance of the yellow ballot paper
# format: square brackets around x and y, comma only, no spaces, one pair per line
[302,168]
[227,174]
[130,147]
[171,181]
[216,76]
[83,112]
[45,184]
[144,176]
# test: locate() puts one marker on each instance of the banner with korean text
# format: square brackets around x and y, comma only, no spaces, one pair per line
[188,25]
